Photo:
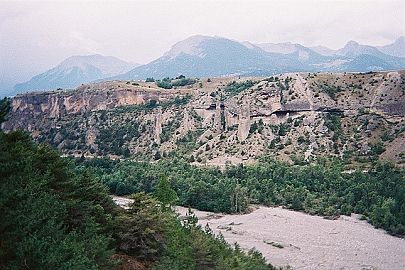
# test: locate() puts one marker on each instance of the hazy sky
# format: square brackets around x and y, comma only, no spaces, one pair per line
[35,36]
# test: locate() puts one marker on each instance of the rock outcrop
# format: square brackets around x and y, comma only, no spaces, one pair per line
[158,125]
[244,120]
[287,116]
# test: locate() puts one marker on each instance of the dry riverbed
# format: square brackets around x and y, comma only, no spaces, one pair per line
[303,241]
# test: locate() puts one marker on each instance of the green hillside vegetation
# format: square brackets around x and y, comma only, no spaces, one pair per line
[59,216]
[322,189]
[4,109]
[169,83]
[234,88]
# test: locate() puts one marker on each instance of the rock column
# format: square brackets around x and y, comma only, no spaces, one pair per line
[158,125]
[244,120]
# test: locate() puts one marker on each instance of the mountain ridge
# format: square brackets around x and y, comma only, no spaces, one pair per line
[397,48]
[195,56]
[213,56]
[74,71]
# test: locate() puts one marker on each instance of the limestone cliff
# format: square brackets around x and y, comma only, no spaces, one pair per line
[289,117]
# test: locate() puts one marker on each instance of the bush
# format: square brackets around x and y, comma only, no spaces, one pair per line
[235,88]
[165,83]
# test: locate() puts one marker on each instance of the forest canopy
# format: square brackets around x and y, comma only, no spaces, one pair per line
[322,189]
[56,215]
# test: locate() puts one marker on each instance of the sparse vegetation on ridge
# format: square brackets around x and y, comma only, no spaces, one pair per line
[234,88]
[168,83]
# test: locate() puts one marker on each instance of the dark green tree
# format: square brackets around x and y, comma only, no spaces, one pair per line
[165,193]
[51,217]
[4,109]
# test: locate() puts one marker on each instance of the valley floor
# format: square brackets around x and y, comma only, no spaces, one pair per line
[302,241]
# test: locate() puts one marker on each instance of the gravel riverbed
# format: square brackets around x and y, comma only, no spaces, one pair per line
[302,241]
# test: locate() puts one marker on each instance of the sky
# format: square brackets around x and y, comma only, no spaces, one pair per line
[35,36]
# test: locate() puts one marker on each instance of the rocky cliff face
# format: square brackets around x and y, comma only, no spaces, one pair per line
[357,116]
[87,98]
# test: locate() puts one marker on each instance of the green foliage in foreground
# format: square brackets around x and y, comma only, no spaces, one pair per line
[56,216]
[50,217]
[323,189]
[150,232]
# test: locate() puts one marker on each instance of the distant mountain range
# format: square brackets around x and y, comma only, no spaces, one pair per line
[205,56]
[74,71]
[395,49]
[352,48]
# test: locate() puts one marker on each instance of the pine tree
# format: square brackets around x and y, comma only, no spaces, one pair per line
[165,193]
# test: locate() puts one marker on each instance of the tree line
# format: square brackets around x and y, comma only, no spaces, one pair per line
[323,189]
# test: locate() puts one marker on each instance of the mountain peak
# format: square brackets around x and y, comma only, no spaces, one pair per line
[354,49]
[190,46]
[80,60]
[351,44]
[400,40]
[397,48]
[76,70]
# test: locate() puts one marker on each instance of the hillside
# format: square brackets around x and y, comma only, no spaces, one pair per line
[292,117]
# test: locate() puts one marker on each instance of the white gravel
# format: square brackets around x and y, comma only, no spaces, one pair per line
[122,201]
[309,242]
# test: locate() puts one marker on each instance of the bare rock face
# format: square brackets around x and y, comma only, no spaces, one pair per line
[244,120]
[158,125]
[289,116]
[97,97]
[91,136]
